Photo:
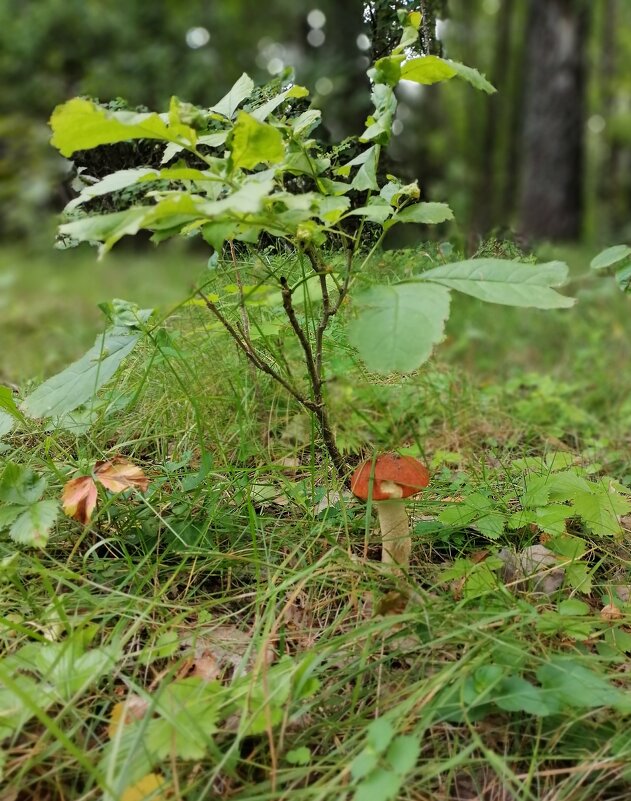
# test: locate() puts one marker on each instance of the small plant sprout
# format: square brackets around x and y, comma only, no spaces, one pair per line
[388,480]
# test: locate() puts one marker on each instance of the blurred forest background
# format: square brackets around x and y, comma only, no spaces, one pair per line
[545,160]
[549,156]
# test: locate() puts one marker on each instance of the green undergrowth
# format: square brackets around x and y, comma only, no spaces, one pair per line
[238,607]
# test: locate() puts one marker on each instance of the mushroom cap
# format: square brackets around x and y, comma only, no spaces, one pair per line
[404,471]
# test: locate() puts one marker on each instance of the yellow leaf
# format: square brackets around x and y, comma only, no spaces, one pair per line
[146,789]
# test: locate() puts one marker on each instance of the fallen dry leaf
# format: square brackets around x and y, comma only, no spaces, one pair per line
[146,788]
[120,475]
[223,651]
[80,494]
[79,498]
[611,612]
[132,708]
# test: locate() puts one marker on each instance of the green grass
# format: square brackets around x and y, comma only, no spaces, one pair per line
[48,298]
[225,570]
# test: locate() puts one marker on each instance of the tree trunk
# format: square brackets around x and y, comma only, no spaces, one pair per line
[486,210]
[551,201]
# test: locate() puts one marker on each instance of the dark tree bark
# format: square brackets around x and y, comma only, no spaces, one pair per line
[486,212]
[551,200]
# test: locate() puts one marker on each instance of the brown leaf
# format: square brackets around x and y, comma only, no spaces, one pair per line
[124,712]
[611,612]
[79,498]
[206,668]
[120,475]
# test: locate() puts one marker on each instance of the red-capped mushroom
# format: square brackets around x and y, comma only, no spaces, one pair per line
[389,479]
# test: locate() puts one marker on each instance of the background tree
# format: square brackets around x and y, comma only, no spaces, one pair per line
[463,147]
[551,204]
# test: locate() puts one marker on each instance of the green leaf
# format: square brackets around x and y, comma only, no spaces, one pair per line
[15,712]
[298,756]
[111,183]
[408,38]
[189,712]
[79,383]
[472,76]
[427,70]
[254,142]
[8,514]
[432,69]
[262,112]
[577,686]
[81,125]
[515,694]
[506,282]
[366,177]
[20,485]
[33,526]
[387,70]
[397,326]
[108,228]
[599,508]
[610,256]
[573,607]
[623,279]
[7,423]
[578,575]
[379,124]
[379,734]
[364,763]
[536,491]
[426,213]
[552,518]
[70,669]
[8,405]
[378,210]
[241,90]
[381,785]
[491,525]
[403,754]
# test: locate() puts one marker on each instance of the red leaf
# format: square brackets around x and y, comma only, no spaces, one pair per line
[120,475]
[79,498]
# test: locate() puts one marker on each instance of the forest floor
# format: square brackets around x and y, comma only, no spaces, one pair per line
[231,633]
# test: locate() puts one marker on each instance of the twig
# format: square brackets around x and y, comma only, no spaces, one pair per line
[253,357]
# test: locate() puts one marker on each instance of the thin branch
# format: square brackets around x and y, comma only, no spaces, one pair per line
[253,357]
[314,377]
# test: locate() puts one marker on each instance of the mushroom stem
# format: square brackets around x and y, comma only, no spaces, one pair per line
[395,532]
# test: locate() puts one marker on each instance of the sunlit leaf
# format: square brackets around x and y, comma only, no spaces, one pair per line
[254,142]
[427,213]
[265,109]
[81,125]
[427,70]
[241,90]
